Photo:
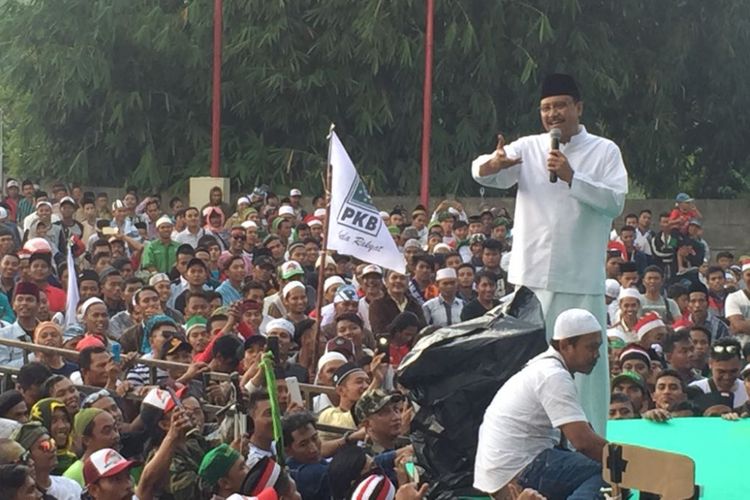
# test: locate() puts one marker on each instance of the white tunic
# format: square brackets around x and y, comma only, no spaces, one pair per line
[560,232]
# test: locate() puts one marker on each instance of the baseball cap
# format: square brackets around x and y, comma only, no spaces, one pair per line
[611,288]
[158,278]
[346,293]
[342,346]
[12,183]
[264,261]
[629,377]
[683,198]
[195,261]
[286,210]
[117,204]
[175,345]
[372,269]
[295,192]
[333,280]
[68,200]
[291,268]
[344,371]
[217,462]
[104,463]
[373,401]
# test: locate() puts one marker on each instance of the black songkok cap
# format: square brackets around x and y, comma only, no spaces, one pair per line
[560,84]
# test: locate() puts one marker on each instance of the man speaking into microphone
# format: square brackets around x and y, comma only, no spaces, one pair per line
[571,184]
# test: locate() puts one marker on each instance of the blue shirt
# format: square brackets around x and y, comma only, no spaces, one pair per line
[228,293]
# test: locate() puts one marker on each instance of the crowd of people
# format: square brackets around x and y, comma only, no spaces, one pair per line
[121,283]
[216,288]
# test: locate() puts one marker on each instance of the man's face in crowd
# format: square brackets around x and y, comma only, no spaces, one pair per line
[299,254]
[354,385]
[153,212]
[447,287]
[311,253]
[613,267]
[716,282]
[104,434]
[256,294]
[682,302]
[621,411]
[129,290]
[6,244]
[149,303]
[165,231]
[164,289]
[296,301]
[161,336]
[632,390]
[629,279]
[652,281]
[351,331]
[285,229]
[117,487]
[664,224]
[581,355]
[112,288]
[697,303]
[725,373]
[192,218]
[654,336]
[66,392]
[28,190]
[50,337]
[97,374]
[325,375]
[316,231]
[102,202]
[630,221]
[109,405]
[67,210]
[465,277]
[486,289]
[196,275]
[561,112]
[89,211]
[9,266]
[25,306]
[423,272]
[397,220]
[629,307]
[637,366]
[644,220]
[668,390]
[490,258]
[453,261]
[682,357]
[396,283]
[305,447]
[386,423]
[196,306]
[215,196]
[39,270]
[262,420]
[44,212]
[701,345]
[199,339]
[285,340]
[236,271]
[276,248]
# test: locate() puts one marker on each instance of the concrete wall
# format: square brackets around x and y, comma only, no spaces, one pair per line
[725,222]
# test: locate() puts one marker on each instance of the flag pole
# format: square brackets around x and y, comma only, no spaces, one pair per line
[323,255]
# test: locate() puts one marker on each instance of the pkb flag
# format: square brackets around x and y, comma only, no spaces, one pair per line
[355,227]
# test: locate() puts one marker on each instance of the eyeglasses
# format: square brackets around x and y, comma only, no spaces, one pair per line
[556,106]
[94,397]
[48,445]
[729,349]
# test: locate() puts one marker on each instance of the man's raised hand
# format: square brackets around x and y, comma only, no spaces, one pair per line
[499,160]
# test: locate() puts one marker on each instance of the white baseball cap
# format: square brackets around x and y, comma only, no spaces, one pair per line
[319,213]
[333,280]
[372,269]
[291,268]
[104,463]
[158,278]
[575,322]
[286,210]
[295,192]
[611,288]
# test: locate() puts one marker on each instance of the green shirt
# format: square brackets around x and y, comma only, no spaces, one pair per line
[75,472]
[160,256]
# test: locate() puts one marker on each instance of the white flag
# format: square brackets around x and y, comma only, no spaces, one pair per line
[355,227]
[72,295]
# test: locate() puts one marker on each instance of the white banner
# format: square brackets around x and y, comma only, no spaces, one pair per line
[355,227]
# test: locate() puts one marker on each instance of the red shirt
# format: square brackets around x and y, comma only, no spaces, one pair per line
[56,297]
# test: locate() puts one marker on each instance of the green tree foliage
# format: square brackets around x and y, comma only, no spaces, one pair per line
[108,92]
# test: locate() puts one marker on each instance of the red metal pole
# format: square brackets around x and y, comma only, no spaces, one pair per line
[424,189]
[216,97]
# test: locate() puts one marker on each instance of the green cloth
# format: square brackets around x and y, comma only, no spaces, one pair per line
[718,447]
[75,472]
[159,256]
[83,418]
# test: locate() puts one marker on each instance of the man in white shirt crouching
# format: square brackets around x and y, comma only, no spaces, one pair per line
[525,428]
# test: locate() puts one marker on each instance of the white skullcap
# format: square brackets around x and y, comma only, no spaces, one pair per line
[611,288]
[329,261]
[43,202]
[314,222]
[164,219]
[243,199]
[446,273]
[441,247]
[319,213]
[745,266]
[629,293]
[90,302]
[280,324]
[248,224]
[158,278]
[286,210]
[384,214]
[330,356]
[333,280]
[575,322]
[291,286]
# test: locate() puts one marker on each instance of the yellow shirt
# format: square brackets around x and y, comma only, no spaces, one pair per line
[337,418]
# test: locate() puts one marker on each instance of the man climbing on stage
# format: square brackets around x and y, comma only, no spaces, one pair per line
[562,221]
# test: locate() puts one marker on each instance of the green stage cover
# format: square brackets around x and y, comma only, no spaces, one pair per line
[719,449]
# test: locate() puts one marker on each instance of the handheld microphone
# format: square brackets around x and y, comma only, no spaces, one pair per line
[555,135]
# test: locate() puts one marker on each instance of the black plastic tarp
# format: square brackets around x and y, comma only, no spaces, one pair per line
[453,375]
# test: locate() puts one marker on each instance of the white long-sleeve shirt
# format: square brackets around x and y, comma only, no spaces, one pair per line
[560,232]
